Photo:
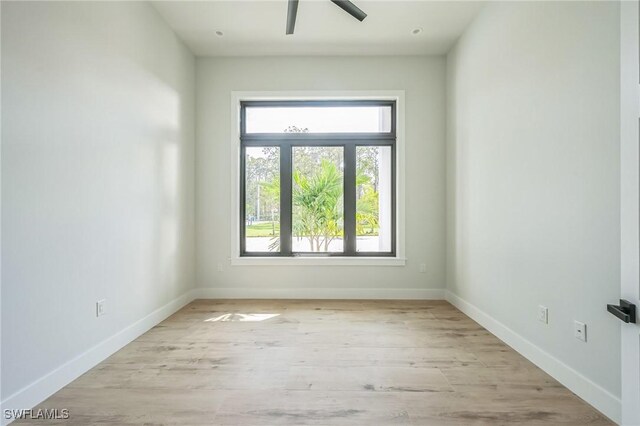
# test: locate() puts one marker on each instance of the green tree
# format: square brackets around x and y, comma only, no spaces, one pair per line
[317,205]
[296,129]
[271,190]
[366,205]
[261,168]
[368,164]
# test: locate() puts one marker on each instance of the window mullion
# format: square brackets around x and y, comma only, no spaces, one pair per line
[350,199]
[285,199]
[242,197]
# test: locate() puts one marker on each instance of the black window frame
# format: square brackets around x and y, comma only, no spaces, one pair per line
[286,142]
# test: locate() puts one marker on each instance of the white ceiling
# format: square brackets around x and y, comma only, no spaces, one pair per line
[258,27]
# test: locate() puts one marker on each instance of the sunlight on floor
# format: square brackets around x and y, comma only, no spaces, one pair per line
[242,317]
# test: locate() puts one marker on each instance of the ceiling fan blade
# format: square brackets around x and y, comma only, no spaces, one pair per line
[351,9]
[292,11]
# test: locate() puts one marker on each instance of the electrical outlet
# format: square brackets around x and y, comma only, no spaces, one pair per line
[580,330]
[423,268]
[219,267]
[543,314]
[101,307]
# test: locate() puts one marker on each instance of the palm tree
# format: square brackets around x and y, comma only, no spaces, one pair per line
[317,207]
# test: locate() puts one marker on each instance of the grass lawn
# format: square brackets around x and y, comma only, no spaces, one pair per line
[263,229]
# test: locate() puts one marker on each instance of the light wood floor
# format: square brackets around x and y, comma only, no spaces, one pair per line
[319,362]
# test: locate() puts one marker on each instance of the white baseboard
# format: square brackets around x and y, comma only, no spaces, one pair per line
[319,293]
[597,396]
[41,389]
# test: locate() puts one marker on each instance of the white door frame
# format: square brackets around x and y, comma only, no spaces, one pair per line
[630,202]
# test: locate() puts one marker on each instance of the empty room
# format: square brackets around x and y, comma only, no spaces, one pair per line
[320,212]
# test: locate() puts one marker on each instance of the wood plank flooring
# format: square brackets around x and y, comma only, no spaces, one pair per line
[275,362]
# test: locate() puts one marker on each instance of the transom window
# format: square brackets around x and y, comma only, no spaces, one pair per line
[317,178]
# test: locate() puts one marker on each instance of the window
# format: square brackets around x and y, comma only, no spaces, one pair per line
[317,178]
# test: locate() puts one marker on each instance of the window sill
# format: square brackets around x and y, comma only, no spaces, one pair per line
[318,261]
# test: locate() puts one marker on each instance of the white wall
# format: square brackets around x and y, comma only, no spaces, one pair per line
[97,173]
[533,177]
[423,80]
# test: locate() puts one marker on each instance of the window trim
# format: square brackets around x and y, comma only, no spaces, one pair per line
[368,139]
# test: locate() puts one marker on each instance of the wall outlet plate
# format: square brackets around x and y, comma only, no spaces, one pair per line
[101,307]
[423,268]
[580,330]
[543,314]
